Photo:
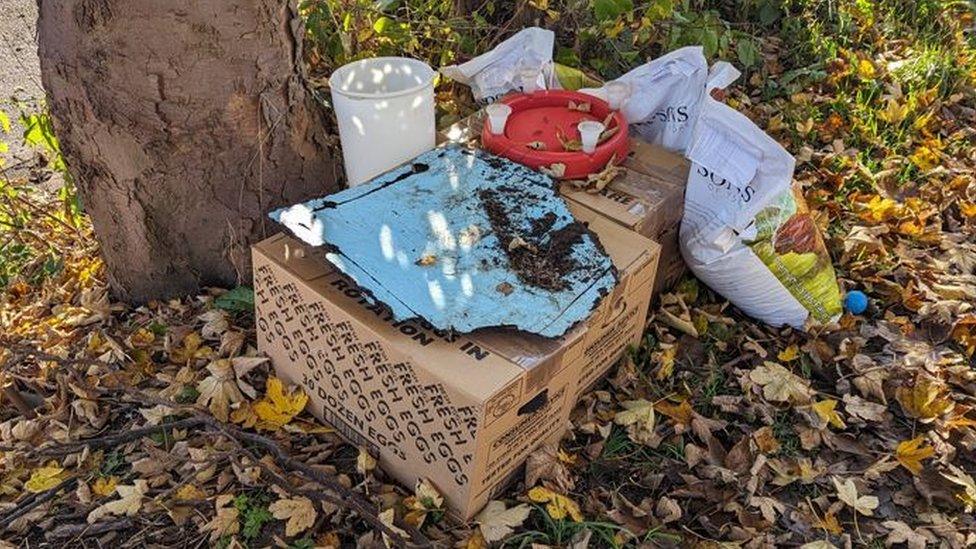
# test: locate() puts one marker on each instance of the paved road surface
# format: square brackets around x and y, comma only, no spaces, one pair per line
[20,79]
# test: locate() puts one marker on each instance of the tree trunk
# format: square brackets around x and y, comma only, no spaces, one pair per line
[183,122]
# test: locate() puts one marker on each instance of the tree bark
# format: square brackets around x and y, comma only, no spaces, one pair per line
[183,122]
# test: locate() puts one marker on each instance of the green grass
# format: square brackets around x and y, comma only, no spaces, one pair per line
[543,529]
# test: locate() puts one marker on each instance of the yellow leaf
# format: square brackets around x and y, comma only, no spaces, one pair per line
[244,415]
[894,112]
[557,505]
[865,69]
[967,208]
[925,158]
[925,400]
[826,410]
[638,417]
[278,408]
[879,209]
[298,511]
[681,413]
[829,523]
[44,478]
[666,358]
[104,486]
[910,454]
[788,354]
[189,492]
[962,478]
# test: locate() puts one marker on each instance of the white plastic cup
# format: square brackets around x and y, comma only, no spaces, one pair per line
[385,110]
[617,94]
[497,117]
[530,79]
[590,131]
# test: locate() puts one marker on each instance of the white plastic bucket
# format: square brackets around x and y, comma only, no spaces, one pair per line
[385,109]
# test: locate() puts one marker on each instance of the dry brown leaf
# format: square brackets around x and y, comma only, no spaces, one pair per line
[496,522]
[779,384]
[847,492]
[298,511]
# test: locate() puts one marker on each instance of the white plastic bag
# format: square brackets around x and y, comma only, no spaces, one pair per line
[524,61]
[745,233]
[665,95]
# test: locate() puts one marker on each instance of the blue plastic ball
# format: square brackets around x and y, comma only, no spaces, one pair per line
[855,302]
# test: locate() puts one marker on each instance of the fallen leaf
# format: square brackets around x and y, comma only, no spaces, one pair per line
[779,384]
[129,502]
[925,399]
[681,413]
[298,511]
[104,486]
[557,505]
[903,533]
[788,354]
[219,390]
[225,521]
[910,454]
[638,417]
[365,463]
[826,410]
[847,492]
[496,522]
[962,478]
[426,499]
[44,478]
[277,408]
[189,492]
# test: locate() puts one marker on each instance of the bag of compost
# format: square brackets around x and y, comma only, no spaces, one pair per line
[663,96]
[746,233]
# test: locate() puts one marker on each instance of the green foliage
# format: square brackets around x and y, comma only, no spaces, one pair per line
[558,533]
[238,300]
[253,512]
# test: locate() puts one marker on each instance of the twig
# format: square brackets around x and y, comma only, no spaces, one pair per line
[29,503]
[83,529]
[109,441]
[343,496]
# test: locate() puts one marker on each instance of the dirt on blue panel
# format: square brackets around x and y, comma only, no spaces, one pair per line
[464,240]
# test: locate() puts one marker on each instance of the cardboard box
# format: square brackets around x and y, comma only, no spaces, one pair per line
[649,198]
[463,411]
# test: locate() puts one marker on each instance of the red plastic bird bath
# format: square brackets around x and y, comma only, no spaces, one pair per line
[538,119]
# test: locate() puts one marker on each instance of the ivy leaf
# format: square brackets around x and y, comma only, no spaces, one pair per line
[910,454]
[747,52]
[238,300]
[496,522]
[557,505]
[605,10]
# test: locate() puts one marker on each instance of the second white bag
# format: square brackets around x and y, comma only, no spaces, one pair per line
[745,232]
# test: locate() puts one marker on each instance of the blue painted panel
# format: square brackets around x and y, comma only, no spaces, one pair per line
[432,238]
